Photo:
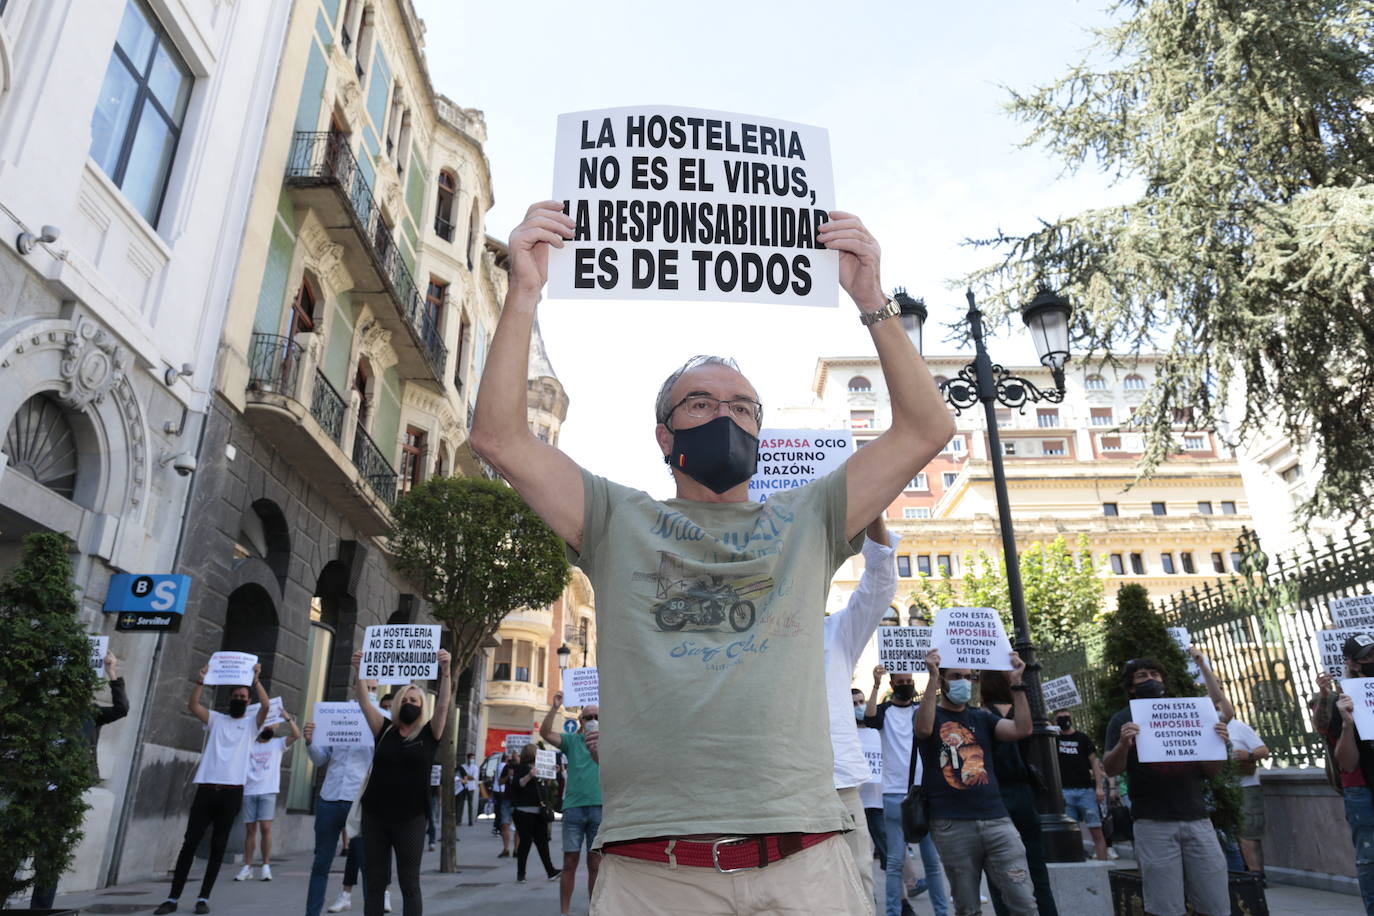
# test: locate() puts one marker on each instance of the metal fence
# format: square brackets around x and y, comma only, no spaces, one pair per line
[1259,629]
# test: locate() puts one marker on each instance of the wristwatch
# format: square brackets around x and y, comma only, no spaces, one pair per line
[868,319]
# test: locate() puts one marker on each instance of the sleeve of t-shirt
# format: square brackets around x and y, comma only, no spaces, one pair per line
[1249,740]
[1113,732]
[1086,746]
[599,496]
[281,744]
[210,722]
[876,720]
[833,492]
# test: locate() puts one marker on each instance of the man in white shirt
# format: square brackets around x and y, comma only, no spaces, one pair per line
[219,783]
[260,795]
[466,790]
[847,631]
[1248,749]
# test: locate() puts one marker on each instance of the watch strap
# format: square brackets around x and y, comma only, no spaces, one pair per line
[868,319]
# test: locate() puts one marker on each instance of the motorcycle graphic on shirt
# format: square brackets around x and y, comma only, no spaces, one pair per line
[962,760]
[702,599]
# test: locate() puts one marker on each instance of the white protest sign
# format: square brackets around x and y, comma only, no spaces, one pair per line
[274,709]
[790,458]
[1177,729]
[545,764]
[341,725]
[872,744]
[902,650]
[1061,693]
[1185,642]
[400,653]
[516,742]
[233,668]
[971,637]
[435,771]
[1331,649]
[684,204]
[1356,611]
[580,687]
[99,646]
[1361,690]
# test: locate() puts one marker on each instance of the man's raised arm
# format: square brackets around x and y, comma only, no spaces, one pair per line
[548,480]
[921,423]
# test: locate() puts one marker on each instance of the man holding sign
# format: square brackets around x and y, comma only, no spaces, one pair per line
[581,798]
[750,579]
[1175,842]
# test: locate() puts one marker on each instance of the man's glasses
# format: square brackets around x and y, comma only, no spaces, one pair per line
[700,406]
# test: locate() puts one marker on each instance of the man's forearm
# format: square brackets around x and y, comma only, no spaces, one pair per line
[1021,713]
[871,709]
[918,410]
[1347,753]
[925,713]
[1115,762]
[499,418]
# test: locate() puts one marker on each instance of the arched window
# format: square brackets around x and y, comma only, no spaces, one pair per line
[1095,383]
[1134,382]
[859,383]
[474,236]
[303,308]
[444,205]
[365,32]
[362,382]
[41,444]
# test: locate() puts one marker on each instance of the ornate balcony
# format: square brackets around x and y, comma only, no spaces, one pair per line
[323,175]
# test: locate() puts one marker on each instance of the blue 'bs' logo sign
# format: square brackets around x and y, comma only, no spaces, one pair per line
[145,603]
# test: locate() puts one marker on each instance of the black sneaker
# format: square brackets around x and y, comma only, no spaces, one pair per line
[202,906]
[519,880]
[555,874]
[166,906]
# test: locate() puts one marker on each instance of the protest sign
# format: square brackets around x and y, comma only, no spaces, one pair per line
[1331,651]
[274,709]
[580,687]
[1177,729]
[1061,693]
[435,771]
[685,204]
[902,650]
[790,458]
[99,646]
[1355,612]
[1185,642]
[872,744]
[400,653]
[1361,690]
[233,668]
[545,764]
[971,637]
[516,742]
[341,725]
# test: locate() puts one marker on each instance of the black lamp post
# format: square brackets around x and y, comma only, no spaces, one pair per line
[983,381]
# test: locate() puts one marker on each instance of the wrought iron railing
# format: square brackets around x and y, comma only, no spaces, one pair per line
[374,467]
[443,228]
[324,156]
[328,407]
[274,364]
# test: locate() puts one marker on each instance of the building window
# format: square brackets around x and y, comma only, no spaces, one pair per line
[1166,560]
[1118,567]
[41,445]
[303,309]
[1009,448]
[919,482]
[1235,561]
[1291,474]
[444,205]
[500,665]
[1218,565]
[435,298]
[1182,415]
[948,478]
[923,565]
[904,567]
[1137,564]
[1195,443]
[1052,447]
[464,332]
[955,445]
[915,512]
[1101,416]
[1095,383]
[945,564]
[138,115]
[524,653]
[364,55]
[412,459]
[1187,559]
[859,383]
[1134,383]
[1003,418]
[1110,443]
[861,419]
[1228,507]
[1159,509]
[1047,416]
[1204,507]
[1110,509]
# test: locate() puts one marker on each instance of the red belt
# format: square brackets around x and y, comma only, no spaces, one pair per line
[725,855]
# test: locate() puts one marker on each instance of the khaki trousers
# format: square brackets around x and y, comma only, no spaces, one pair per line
[860,843]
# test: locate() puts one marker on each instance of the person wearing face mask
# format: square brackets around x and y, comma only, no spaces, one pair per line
[260,795]
[1084,783]
[968,819]
[895,720]
[1175,843]
[465,795]
[219,779]
[716,601]
[1334,715]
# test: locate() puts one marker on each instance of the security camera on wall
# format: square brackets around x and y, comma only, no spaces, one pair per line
[184,463]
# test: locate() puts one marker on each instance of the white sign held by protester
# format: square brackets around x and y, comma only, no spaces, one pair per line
[341,725]
[1361,690]
[545,764]
[232,668]
[400,653]
[435,771]
[690,205]
[902,650]
[1356,611]
[99,646]
[581,687]
[274,710]
[1331,649]
[872,743]
[791,458]
[516,742]
[1177,729]
[971,637]
[1061,693]
[1181,636]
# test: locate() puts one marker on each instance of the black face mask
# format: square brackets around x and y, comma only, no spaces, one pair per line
[409,713]
[237,707]
[718,455]
[1064,723]
[903,692]
[1149,690]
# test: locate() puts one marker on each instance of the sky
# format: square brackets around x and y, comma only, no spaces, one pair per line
[912,94]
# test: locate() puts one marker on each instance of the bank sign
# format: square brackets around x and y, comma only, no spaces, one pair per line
[144,603]
[790,458]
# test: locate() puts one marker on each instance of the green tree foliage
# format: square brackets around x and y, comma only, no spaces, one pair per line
[1249,130]
[476,552]
[46,685]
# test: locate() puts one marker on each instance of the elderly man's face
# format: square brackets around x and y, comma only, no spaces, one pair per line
[713,381]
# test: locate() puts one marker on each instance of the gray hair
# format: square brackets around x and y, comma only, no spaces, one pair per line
[663,407]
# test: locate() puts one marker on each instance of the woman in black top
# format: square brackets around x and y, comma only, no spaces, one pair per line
[396,801]
[528,813]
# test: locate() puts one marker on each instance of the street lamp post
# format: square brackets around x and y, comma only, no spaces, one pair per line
[983,381]
[563,653]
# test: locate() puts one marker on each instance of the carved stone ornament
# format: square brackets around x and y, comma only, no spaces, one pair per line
[376,343]
[92,364]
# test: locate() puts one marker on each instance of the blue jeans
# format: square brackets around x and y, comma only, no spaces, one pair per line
[1359,813]
[329,823]
[896,855]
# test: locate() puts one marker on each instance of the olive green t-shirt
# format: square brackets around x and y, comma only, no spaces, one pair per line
[709,629]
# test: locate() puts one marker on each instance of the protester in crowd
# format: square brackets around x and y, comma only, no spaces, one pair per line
[100,716]
[968,819]
[465,793]
[581,795]
[1175,844]
[397,793]
[1082,779]
[846,633]
[385,702]
[432,814]
[895,719]
[501,792]
[713,553]
[871,792]
[1016,782]
[1247,750]
[219,782]
[260,794]
[1354,758]
[527,808]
